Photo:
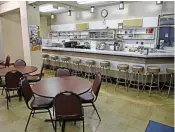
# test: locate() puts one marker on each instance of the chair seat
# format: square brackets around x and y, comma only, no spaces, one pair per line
[41,103]
[33,78]
[87,97]
[11,89]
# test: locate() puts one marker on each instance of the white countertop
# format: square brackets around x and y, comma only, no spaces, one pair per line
[119,53]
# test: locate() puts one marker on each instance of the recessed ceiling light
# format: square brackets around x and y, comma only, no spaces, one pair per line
[50,8]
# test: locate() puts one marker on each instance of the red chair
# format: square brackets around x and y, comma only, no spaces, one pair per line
[62,72]
[12,80]
[91,97]
[38,104]
[68,107]
[20,62]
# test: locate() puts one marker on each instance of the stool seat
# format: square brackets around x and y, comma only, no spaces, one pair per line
[105,64]
[170,70]
[45,56]
[122,66]
[54,57]
[137,68]
[65,58]
[90,62]
[76,61]
[153,69]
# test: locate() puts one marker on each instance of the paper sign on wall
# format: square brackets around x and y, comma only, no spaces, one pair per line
[35,39]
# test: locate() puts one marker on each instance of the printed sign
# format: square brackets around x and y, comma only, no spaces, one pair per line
[35,39]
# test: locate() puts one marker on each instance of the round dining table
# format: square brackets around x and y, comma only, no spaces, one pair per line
[50,87]
[23,69]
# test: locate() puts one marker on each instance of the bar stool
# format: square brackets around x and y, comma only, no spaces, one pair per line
[66,61]
[123,68]
[104,68]
[76,64]
[46,59]
[136,72]
[153,70]
[90,64]
[170,83]
[53,63]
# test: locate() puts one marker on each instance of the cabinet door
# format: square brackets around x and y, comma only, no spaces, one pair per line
[150,21]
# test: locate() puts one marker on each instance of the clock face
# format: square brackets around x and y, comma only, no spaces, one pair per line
[104,13]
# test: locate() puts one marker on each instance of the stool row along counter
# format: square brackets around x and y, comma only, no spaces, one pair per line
[138,76]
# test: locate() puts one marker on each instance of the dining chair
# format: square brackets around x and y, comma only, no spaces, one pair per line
[68,107]
[60,72]
[7,62]
[38,104]
[12,79]
[91,96]
[2,84]
[20,62]
[36,78]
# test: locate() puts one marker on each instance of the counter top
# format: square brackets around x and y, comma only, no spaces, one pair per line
[117,53]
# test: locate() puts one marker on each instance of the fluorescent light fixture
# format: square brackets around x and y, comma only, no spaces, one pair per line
[159,2]
[50,8]
[89,2]
[52,16]
[69,13]
[121,5]
[92,9]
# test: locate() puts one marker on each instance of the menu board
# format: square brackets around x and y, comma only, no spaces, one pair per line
[35,39]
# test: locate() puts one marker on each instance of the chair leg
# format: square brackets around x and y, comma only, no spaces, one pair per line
[7,98]
[2,91]
[83,125]
[51,118]
[28,121]
[63,126]
[96,111]
[55,125]
[33,113]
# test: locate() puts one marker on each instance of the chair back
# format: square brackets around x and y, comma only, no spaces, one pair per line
[12,79]
[20,62]
[7,61]
[26,90]
[62,72]
[41,72]
[97,85]
[67,104]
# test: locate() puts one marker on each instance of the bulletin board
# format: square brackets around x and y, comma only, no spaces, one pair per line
[35,39]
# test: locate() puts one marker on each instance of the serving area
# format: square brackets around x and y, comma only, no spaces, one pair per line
[163,60]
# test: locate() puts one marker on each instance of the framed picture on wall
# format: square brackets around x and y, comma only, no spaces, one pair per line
[120,25]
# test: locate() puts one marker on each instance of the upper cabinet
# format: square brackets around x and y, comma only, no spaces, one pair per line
[150,21]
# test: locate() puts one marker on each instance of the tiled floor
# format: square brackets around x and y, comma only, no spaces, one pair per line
[120,111]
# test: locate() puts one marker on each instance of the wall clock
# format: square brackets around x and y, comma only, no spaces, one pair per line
[104,13]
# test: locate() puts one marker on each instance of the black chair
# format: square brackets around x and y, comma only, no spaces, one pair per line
[62,72]
[40,104]
[2,84]
[68,107]
[20,62]
[36,78]
[12,79]
[88,97]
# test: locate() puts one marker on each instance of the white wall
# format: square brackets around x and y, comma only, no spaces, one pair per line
[45,29]
[11,35]
[131,10]
[34,19]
